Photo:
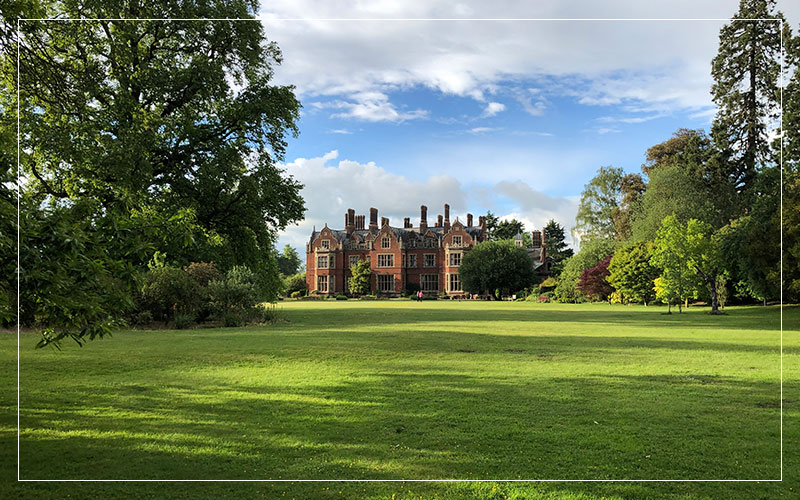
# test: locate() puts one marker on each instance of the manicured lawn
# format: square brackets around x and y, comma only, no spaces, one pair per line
[406,390]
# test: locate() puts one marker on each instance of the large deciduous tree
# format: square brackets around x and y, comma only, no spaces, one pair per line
[671,254]
[632,274]
[289,261]
[155,135]
[601,201]
[492,266]
[589,255]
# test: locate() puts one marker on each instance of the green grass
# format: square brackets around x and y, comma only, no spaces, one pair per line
[406,390]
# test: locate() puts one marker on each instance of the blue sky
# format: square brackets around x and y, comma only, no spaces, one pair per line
[512,117]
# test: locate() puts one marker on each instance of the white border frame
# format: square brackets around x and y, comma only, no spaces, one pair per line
[269,20]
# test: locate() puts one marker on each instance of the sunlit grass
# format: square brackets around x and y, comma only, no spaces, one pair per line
[406,390]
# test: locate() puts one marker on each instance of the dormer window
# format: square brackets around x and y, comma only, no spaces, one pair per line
[326,244]
[385,242]
[456,241]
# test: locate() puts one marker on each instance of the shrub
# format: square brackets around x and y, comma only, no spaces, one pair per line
[296,294]
[341,297]
[236,294]
[142,318]
[296,283]
[168,291]
[203,272]
[183,320]
[263,313]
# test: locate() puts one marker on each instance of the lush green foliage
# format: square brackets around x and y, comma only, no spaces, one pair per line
[168,291]
[382,390]
[672,255]
[496,265]
[746,76]
[289,262]
[359,281]
[295,283]
[145,136]
[632,274]
[590,254]
[235,297]
[508,229]
[557,250]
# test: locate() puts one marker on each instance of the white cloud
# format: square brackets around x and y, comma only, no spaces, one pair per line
[370,106]
[493,108]
[483,130]
[330,188]
[341,131]
[664,64]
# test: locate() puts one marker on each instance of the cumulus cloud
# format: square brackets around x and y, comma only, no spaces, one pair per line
[493,108]
[331,187]
[665,64]
[371,107]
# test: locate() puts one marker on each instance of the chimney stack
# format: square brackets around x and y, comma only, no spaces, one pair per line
[544,247]
[536,238]
[359,222]
[469,220]
[446,216]
[407,222]
[384,221]
[423,219]
[373,218]
[350,221]
[439,220]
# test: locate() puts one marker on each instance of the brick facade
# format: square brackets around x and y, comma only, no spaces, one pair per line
[428,257]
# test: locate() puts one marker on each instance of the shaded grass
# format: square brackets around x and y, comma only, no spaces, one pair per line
[405,390]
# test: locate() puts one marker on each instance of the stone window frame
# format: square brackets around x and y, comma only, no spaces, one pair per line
[389,256]
[450,259]
[385,282]
[424,280]
[386,242]
[326,244]
[322,283]
[327,261]
[457,243]
[425,260]
[357,260]
[454,277]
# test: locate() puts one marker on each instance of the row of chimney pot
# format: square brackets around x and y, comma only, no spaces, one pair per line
[353,222]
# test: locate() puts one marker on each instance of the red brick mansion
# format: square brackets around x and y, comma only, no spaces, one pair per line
[425,256]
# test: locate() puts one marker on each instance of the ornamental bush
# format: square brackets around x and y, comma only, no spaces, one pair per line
[168,291]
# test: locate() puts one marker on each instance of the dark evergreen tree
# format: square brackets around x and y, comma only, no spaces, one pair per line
[746,74]
[557,250]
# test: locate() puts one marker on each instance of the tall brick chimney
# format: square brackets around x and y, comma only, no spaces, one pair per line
[536,238]
[350,221]
[439,220]
[446,216]
[373,218]
[407,222]
[423,219]
[359,222]
[384,221]
[469,220]
[544,248]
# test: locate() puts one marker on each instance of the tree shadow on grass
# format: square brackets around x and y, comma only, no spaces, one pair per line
[411,425]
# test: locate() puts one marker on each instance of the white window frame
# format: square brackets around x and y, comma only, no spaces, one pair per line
[386,256]
[386,242]
[327,260]
[453,254]
[357,260]
[326,244]
[456,241]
